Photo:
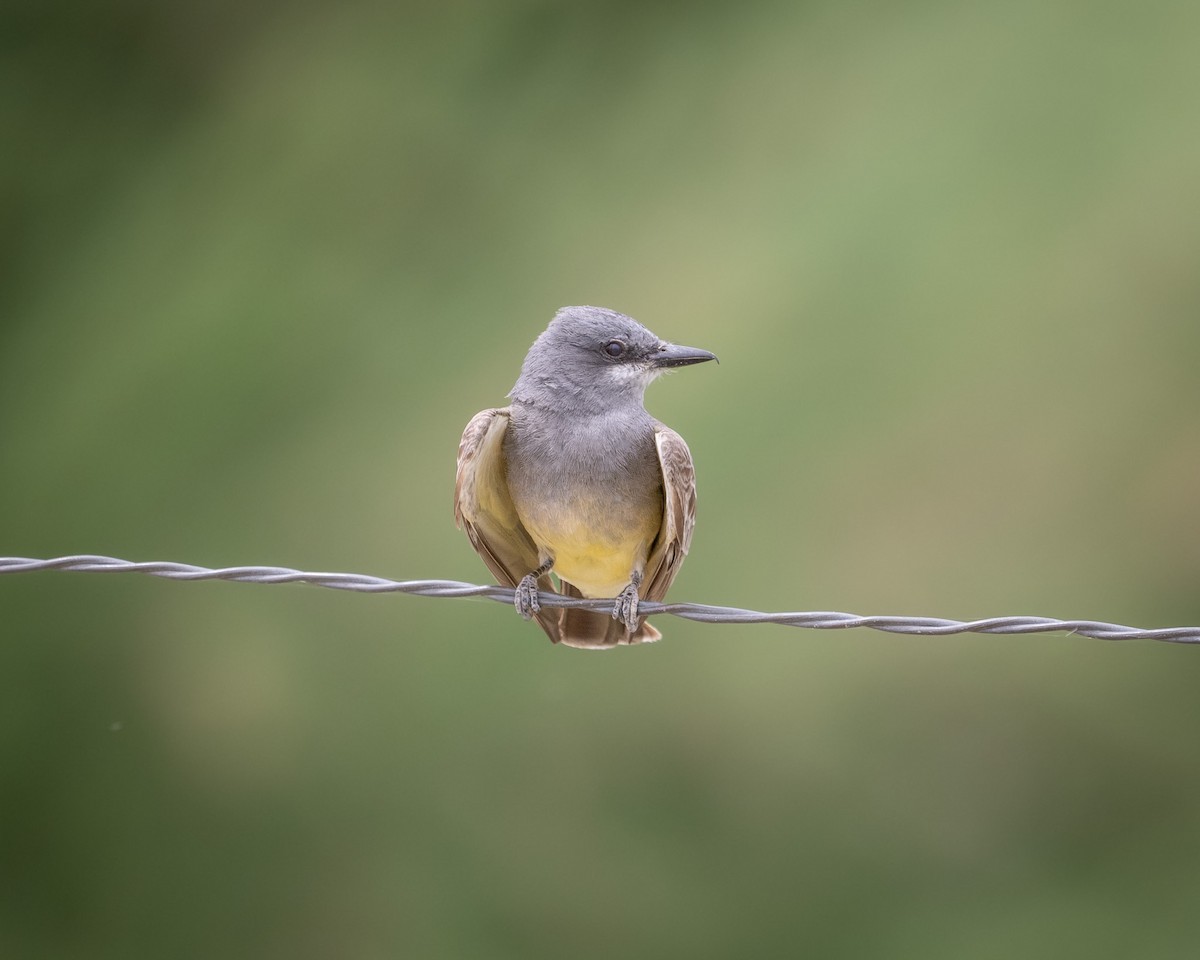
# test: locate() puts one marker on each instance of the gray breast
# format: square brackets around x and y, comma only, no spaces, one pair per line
[606,465]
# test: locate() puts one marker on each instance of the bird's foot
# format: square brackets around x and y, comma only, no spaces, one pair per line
[526,601]
[626,607]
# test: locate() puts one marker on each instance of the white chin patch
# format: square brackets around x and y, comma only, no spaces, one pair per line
[633,373]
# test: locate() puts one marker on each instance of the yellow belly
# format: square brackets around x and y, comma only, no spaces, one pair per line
[598,561]
[597,572]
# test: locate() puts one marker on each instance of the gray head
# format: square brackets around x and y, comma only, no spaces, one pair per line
[591,358]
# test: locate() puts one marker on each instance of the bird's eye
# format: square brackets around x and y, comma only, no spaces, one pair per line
[614,348]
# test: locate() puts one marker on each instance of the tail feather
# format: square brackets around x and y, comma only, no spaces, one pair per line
[597,630]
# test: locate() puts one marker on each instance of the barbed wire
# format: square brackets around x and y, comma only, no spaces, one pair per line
[704,613]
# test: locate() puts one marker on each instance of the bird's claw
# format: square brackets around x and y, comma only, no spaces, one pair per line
[526,600]
[626,608]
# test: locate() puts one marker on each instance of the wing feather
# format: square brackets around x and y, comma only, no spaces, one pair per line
[483,507]
[679,513]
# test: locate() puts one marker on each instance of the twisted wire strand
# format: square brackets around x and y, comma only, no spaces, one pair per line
[704,613]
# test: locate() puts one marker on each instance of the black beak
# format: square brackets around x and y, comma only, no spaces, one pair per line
[672,355]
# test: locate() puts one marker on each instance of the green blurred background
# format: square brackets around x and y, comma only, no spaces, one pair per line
[260,264]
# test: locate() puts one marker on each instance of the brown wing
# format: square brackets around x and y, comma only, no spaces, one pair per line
[679,513]
[483,507]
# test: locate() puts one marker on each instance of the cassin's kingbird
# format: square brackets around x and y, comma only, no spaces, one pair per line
[576,477]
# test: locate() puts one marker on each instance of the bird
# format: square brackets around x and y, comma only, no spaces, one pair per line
[574,477]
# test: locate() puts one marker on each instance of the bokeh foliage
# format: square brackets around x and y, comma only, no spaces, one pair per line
[259,265]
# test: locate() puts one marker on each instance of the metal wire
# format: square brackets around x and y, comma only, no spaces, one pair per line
[815,620]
